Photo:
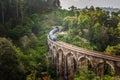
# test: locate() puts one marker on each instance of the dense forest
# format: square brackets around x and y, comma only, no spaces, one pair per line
[94,29]
[24,25]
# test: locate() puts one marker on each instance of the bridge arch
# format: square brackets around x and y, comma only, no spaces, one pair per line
[71,65]
[105,67]
[111,65]
[60,54]
[83,57]
[71,53]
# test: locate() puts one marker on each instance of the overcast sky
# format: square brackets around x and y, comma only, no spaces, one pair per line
[83,3]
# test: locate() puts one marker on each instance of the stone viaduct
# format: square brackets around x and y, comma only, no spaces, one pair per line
[68,58]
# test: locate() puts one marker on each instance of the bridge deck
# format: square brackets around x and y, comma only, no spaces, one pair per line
[85,51]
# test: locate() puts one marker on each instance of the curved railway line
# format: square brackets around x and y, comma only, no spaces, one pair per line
[85,51]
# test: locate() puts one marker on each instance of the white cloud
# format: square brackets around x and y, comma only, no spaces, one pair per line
[76,0]
[97,3]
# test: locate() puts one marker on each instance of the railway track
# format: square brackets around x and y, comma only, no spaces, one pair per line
[53,39]
[85,51]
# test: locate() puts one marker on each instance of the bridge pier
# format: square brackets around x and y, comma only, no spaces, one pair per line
[65,69]
[100,70]
[70,68]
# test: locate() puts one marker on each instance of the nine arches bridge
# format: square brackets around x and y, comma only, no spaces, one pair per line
[68,58]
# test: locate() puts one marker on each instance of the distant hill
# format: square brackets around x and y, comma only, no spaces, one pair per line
[110,9]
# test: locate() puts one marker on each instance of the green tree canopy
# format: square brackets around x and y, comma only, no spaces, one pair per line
[10,66]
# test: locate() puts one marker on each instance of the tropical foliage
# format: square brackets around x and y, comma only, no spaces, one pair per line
[24,25]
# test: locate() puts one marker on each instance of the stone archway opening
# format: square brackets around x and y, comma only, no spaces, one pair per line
[104,69]
[82,61]
[84,66]
[109,69]
[85,62]
[71,66]
[74,65]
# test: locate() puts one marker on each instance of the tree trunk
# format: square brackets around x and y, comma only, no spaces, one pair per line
[3,16]
[17,13]
[21,11]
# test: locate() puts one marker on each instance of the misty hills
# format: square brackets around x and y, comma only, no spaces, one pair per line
[110,9]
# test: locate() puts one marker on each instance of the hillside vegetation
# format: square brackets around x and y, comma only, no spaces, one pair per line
[25,24]
[94,29]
